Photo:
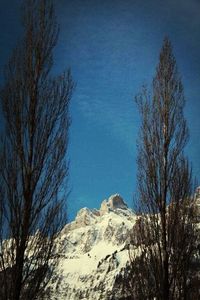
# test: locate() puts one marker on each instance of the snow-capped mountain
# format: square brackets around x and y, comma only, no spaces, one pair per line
[94,252]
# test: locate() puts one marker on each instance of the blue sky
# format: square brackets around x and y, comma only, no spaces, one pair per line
[112,48]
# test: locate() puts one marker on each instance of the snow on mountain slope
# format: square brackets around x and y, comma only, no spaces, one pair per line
[94,252]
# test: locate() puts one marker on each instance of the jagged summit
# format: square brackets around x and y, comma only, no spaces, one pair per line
[94,251]
[114,202]
[85,216]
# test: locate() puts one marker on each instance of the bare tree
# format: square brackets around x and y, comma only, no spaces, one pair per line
[165,231]
[33,162]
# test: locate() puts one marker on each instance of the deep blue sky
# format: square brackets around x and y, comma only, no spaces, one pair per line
[112,48]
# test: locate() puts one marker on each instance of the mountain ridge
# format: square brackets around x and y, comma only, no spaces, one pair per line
[94,251]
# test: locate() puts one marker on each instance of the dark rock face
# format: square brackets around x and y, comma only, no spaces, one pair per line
[116,202]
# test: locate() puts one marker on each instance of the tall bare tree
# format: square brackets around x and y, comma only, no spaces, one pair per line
[33,156]
[165,231]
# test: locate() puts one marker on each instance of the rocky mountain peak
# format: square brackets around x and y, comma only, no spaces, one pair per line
[93,251]
[114,202]
[87,216]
